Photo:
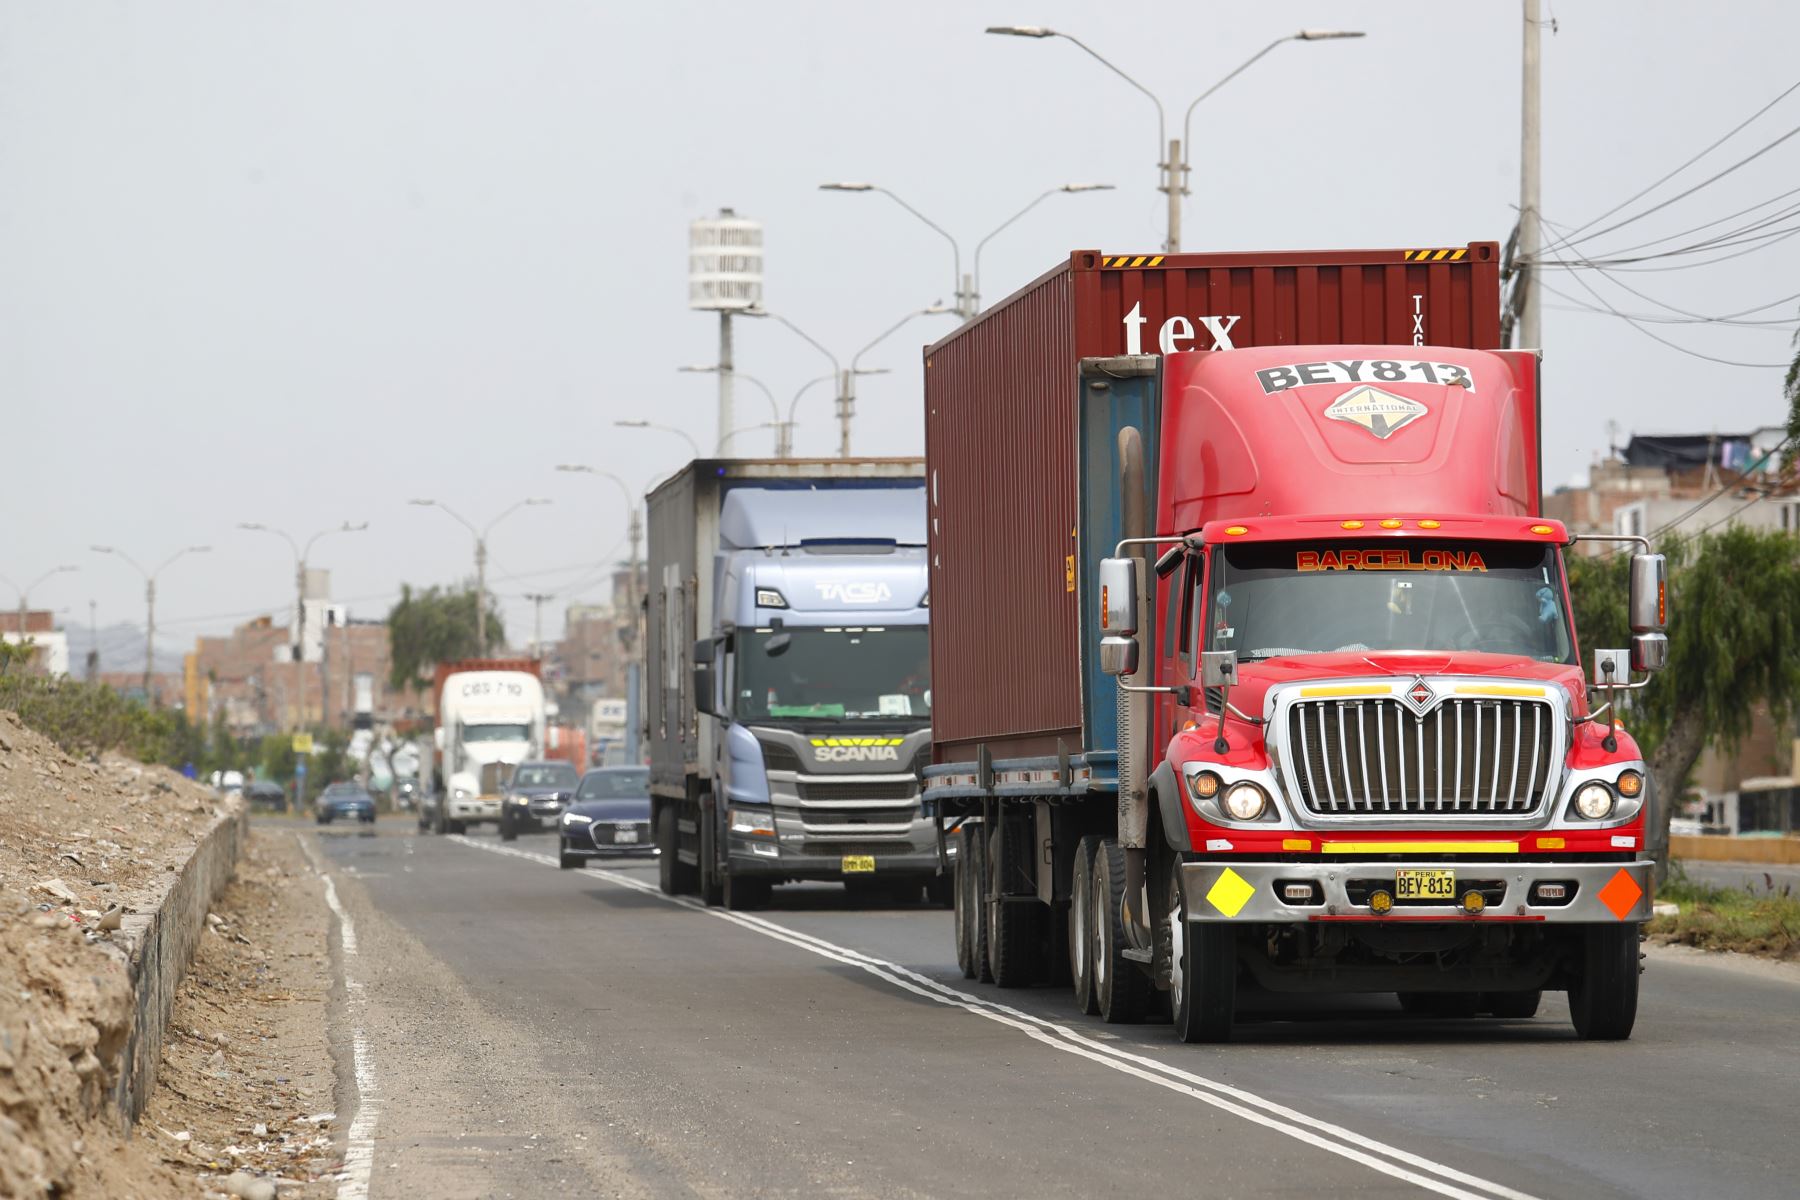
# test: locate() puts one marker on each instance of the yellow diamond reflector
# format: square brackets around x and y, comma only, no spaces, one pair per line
[1230,893]
[1236,530]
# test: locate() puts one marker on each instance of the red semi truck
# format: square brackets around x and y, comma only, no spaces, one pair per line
[1253,657]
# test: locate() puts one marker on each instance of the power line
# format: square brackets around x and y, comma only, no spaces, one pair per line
[1728,487]
[1576,304]
[1620,283]
[1571,238]
[1657,337]
[1709,224]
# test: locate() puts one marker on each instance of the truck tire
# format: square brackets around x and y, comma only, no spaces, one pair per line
[742,893]
[1120,988]
[712,883]
[1603,999]
[966,906]
[673,876]
[1512,1006]
[978,887]
[1015,934]
[1202,973]
[1081,926]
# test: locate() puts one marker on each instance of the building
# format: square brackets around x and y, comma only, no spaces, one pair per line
[598,642]
[250,678]
[50,645]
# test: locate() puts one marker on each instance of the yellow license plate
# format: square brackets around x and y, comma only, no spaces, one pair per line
[1425,885]
[858,864]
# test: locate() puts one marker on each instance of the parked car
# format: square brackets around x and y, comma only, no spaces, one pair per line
[536,796]
[267,796]
[609,815]
[347,800]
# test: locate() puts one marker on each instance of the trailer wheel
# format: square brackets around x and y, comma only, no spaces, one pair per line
[966,907]
[1015,935]
[741,893]
[978,889]
[1603,998]
[1512,1006]
[1120,988]
[672,875]
[1202,972]
[1081,926]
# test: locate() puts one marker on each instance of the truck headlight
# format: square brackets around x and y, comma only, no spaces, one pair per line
[459,793]
[1594,801]
[752,824]
[1246,801]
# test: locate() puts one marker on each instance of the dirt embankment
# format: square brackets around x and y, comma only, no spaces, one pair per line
[82,844]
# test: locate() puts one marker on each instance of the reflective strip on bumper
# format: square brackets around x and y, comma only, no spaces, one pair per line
[1605,893]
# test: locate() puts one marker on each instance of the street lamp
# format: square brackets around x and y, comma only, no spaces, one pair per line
[24,607]
[297,712]
[774,409]
[1068,188]
[150,603]
[967,290]
[680,433]
[1175,167]
[480,535]
[634,528]
[775,425]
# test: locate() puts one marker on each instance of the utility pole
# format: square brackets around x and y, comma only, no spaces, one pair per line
[298,711]
[93,654]
[537,621]
[149,636]
[1531,236]
[727,423]
[846,408]
[1174,186]
[325,704]
[481,595]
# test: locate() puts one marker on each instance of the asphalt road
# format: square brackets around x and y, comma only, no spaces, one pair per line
[528,1031]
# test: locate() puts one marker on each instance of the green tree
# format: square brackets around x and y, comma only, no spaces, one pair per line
[433,626]
[1734,648]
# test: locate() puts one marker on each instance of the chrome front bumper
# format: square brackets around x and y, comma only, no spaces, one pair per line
[1605,893]
[478,809]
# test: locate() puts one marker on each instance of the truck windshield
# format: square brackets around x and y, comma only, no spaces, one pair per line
[496,733]
[1273,599]
[833,673]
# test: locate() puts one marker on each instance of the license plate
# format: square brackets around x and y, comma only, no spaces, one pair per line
[858,864]
[1425,885]
[625,837]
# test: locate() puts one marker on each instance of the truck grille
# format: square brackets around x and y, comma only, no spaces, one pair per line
[1363,758]
[811,788]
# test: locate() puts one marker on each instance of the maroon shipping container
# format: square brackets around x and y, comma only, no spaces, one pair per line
[1000,440]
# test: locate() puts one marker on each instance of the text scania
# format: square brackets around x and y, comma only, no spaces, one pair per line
[1177,333]
[856,753]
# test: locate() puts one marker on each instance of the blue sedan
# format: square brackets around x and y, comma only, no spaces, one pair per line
[346,800]
[609,815]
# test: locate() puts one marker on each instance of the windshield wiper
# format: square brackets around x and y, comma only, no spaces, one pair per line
[1272,652]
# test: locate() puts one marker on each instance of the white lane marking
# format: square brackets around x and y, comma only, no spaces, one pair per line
[1325,1135]
[359,1151]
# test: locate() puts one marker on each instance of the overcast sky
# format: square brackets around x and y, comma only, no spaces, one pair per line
[299,262]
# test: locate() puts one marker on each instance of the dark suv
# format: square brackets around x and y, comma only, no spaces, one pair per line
[536,797]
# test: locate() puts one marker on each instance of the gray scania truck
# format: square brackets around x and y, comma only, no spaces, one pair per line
[787,689]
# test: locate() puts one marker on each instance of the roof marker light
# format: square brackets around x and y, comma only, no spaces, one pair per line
[1542,529]
[1353,524]
[1428,523]
[1392,523]
[1237,530]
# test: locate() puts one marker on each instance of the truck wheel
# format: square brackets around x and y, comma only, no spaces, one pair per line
[1120,988]
[741,893]
[1081,926]
[1015,935]
[1604,997]
[1511,1006]
[673,876]
[966,907]
[978,889]
[1203,972]
[712,887]
[456,826]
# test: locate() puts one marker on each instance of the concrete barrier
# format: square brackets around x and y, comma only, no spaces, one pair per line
[159,945]
[1781,850]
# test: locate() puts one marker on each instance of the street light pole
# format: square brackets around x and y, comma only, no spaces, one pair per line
[481,536]
[1067,187]
[634,532]
[784,447]
[24,606]
[680,433]
[150,604]
[1174,166]
[848,410]
[297,711]
[722,369]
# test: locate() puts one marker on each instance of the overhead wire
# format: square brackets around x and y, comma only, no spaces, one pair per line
[1656,337]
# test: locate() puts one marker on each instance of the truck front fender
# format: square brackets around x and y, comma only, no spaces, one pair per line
[1168,792]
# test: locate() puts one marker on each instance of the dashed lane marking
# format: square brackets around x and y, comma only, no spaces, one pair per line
[1378,1156]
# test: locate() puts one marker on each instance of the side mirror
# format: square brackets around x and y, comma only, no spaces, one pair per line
[1612,668]
[1119,655]
[1118,616]
[1648,605]
[1218,668]
[1649,651]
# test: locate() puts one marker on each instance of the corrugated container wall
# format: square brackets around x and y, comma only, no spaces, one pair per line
[1000,438]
